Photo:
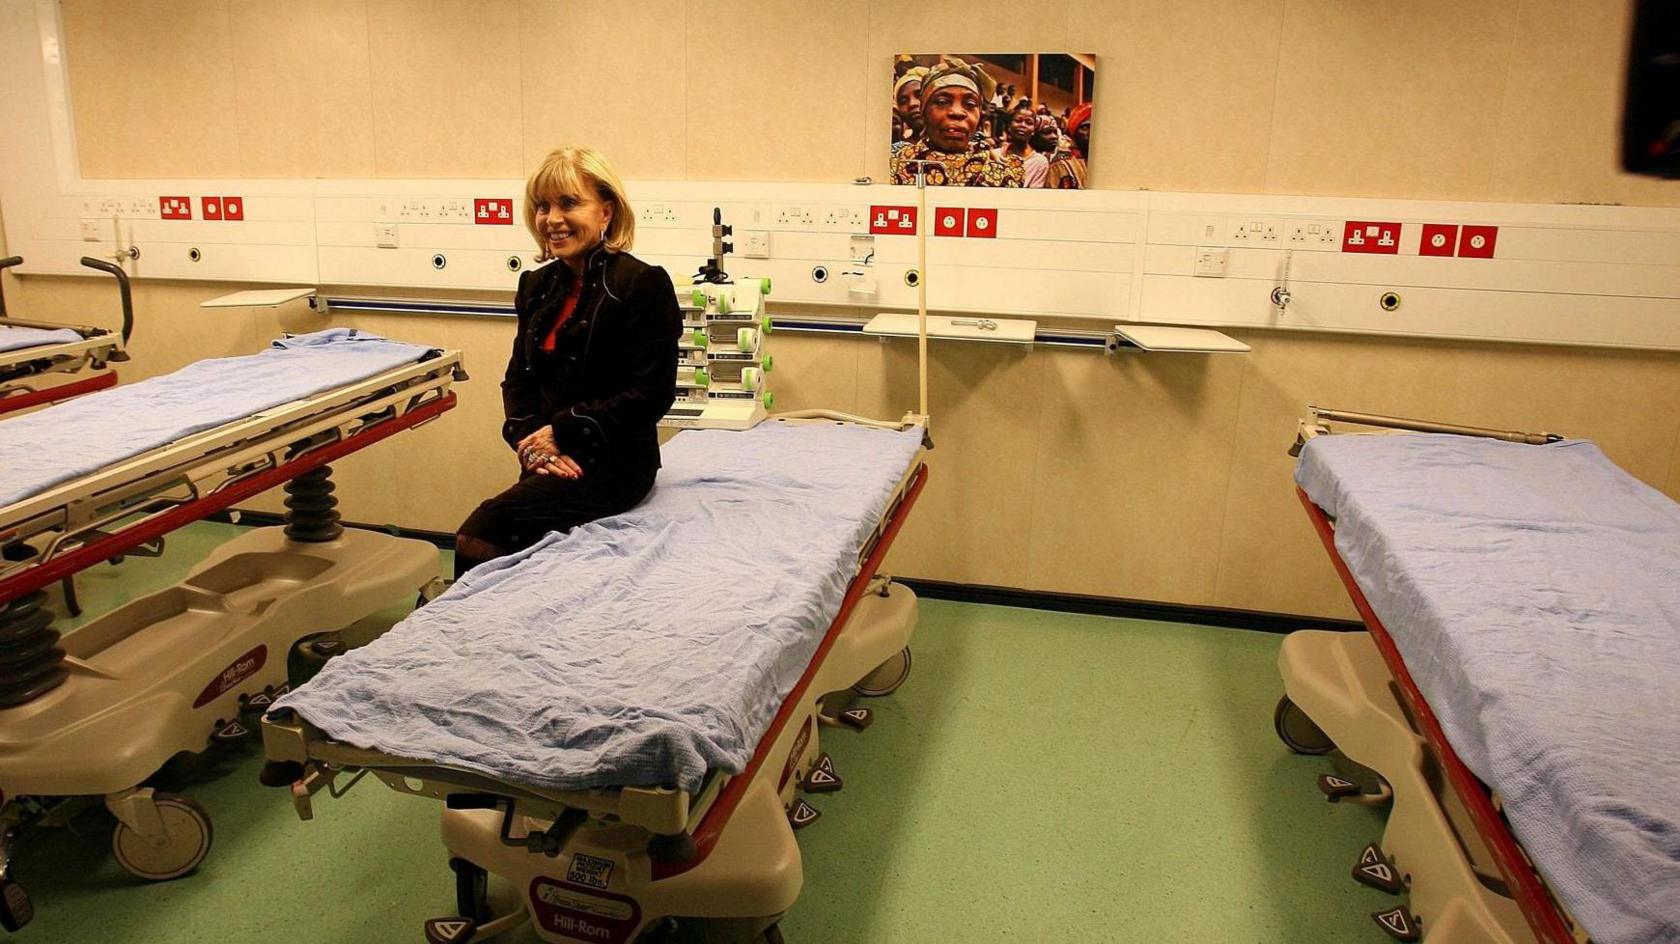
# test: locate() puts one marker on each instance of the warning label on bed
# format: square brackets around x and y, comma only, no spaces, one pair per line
[580,914]
[588,870]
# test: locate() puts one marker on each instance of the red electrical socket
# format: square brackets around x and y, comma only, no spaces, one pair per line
[1477,242]
[493,212]
[1377,238]
[233,208]
[175,208]
[892,220]
[948,221]
[212,207]
[982,224]
[1439,239]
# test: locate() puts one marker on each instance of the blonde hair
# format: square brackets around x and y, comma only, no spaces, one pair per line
[580,170]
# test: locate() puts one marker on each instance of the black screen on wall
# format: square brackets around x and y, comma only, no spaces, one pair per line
[1651,122]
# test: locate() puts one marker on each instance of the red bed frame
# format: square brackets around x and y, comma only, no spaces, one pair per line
[71,563]
[22,401]
[712,824]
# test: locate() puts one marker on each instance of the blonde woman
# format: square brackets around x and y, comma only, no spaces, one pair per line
[594,364]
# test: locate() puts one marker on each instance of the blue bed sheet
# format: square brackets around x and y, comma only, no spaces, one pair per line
[14,338]
[42,449]
[640,650]
[1534,594]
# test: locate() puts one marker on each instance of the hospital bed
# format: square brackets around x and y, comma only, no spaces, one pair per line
[627,745]
[1513,697]
[88,718]
[32,351]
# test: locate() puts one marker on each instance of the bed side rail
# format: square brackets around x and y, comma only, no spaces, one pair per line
[1318,425]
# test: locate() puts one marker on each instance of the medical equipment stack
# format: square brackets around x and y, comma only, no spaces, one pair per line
[722,366]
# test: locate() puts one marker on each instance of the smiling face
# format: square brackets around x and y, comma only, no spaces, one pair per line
[952,114]
[571,224]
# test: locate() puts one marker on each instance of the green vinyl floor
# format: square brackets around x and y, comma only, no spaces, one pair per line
[1041,777]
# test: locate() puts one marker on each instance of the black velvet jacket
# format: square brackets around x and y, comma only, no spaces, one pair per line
[613,371]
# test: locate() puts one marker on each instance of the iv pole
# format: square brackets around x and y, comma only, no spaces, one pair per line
[921,278]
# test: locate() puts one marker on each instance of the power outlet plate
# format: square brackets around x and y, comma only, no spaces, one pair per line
[1314,234]
[1211,261]
[1257,232]
[755,244]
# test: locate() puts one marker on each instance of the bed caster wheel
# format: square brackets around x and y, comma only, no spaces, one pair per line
[887,677]
[472,890]
[183,843]
[16,910]
[1297,731]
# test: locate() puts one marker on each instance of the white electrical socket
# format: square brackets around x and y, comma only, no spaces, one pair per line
[755,244]
[1211,261]
[90,231]
[657,214]
[1314,234]
[386,235]
[1250,232]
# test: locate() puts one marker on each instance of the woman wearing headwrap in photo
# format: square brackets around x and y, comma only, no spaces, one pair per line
[953,104]
[1067,171]
[907,107]
[1018,137]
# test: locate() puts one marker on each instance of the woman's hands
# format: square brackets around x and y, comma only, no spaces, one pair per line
[539,454]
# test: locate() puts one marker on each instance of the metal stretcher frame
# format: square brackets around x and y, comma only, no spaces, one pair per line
[188,480]
[302,756]
[97,348]
[1532,897]
[68,357]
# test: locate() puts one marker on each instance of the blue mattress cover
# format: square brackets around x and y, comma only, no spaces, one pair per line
[14,338]
[639,650]
[1534,594]
[42,449]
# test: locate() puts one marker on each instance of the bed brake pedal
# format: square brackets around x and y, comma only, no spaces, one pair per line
[1398,923]
[821,778]
[16,910]
[802,815]
[1374,869]
[450,930]
[230,732]
[259,703]
[857,718]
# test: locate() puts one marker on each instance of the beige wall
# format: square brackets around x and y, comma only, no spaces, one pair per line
[1512,100]
[1159,477]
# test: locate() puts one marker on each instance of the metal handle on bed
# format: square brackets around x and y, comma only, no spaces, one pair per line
[1428,426]
[549,841]
[127,298]
[7,263]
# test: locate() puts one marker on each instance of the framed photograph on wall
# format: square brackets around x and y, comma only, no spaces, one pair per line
[993,119]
